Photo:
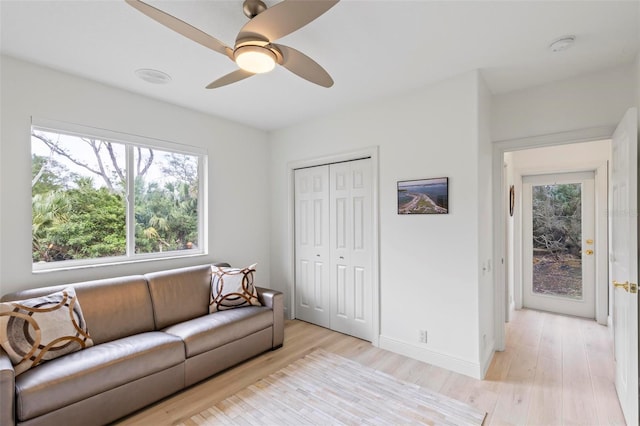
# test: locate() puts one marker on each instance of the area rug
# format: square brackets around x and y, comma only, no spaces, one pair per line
[326,389]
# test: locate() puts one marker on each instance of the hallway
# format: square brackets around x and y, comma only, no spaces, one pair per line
[555,370]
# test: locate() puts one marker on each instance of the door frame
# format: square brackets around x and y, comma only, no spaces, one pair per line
[501,207]
[367,152]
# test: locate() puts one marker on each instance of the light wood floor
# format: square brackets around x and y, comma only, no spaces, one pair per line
[556,370]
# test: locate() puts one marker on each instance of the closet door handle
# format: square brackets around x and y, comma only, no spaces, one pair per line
[342,257]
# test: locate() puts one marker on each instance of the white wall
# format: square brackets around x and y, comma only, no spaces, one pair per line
[428,264]
[561,157]
[593,100]
[238,181]
[486,291]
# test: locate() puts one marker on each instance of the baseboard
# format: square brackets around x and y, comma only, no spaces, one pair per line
[448,362]
[488,357]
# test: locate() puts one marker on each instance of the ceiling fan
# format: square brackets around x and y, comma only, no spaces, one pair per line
[254,51]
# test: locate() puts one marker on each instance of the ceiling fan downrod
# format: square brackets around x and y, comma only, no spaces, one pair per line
[253,8]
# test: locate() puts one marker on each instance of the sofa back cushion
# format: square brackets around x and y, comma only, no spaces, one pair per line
[179,294]
[113,308]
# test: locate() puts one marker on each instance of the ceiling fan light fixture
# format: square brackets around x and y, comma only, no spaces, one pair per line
[255,59]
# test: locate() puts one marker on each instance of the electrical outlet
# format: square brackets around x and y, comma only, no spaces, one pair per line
[422,336]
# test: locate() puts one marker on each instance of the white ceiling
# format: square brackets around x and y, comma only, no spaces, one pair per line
[372,48]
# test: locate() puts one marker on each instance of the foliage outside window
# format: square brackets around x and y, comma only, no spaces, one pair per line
[96,200]
[557,219]
[557,240]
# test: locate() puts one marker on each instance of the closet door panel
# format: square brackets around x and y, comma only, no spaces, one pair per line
[351,250]
[312,272]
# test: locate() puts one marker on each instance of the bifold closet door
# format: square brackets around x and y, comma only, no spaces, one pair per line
[333,247]
[312,245]
[351,248]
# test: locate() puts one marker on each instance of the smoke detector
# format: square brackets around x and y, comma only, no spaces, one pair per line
[153,76]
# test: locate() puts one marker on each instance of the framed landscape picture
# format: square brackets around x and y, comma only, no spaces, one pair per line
[423,196]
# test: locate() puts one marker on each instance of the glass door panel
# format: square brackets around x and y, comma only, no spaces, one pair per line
[558,228]
[557,240]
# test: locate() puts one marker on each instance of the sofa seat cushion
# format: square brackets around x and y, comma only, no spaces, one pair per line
[83,374]
[212,331]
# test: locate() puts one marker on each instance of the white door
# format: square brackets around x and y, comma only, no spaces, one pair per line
[351,248]
[624,261]
[312,245]
[558,243]
[333,247]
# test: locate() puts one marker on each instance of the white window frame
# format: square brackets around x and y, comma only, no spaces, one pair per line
[131,142]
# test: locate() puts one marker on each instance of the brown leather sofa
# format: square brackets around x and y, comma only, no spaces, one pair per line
[153,336]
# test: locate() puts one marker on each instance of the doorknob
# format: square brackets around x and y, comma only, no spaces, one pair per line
[624,285]
[589,252]
[628,287]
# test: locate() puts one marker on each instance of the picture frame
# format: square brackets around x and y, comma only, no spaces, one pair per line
[512,199]
[423,196]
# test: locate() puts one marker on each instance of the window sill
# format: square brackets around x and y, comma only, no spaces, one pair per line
[49,268]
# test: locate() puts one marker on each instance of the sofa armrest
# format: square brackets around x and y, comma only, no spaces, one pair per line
[7,390]
[275,300]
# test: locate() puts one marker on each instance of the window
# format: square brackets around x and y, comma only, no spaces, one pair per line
[100,197]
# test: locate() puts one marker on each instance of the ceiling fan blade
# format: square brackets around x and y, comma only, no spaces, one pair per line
[303,66]
[284,18]
[232,77]
[181,27]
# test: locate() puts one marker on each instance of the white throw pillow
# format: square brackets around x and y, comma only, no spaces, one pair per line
[232,288]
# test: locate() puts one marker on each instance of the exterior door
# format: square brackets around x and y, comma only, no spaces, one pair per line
[312,245]
[558,243]
[624,261]
[351,248]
